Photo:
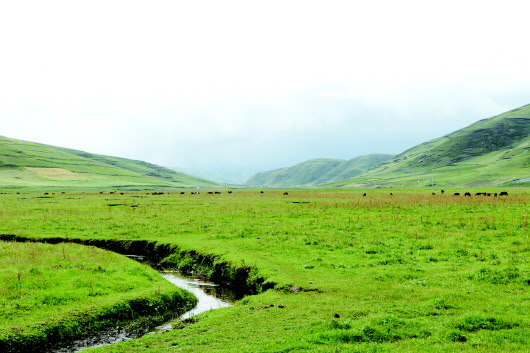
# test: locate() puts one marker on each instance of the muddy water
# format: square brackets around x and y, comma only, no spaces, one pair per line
[209,296]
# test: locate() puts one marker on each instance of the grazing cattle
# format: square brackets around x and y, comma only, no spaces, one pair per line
[285,193]
[229,191]
[503,193]
[467,194]
[364,194]
[495,195]
[210,192]
[391,194]
[217,193]
[442,191]
[261,192]
[433,193]
[456,194]
[182,192]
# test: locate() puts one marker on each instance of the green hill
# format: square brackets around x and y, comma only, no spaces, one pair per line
[316,171]
[494,151]
[24,164]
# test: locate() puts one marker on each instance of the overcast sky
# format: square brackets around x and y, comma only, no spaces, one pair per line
[256,85]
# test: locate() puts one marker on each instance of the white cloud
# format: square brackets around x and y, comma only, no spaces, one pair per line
[256,84]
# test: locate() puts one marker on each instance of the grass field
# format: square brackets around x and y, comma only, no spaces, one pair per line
[411,272]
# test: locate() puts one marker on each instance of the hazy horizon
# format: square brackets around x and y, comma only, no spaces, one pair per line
[244,87]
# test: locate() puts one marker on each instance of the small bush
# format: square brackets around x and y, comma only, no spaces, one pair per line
[505,276]
[474,323]
[455,336]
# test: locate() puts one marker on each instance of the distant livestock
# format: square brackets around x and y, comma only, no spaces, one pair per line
[503,193]
[467,194]
[285,193]
[456,194]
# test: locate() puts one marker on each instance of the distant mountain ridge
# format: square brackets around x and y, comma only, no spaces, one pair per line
[316,171]
[491,151]
[24,163]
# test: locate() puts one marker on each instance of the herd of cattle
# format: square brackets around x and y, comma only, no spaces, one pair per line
[502,193]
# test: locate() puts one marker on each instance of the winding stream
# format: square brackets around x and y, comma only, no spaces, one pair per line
[209,296]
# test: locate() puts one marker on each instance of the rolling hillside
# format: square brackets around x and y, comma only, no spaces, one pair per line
[316,171]
[494,151]
[32,164]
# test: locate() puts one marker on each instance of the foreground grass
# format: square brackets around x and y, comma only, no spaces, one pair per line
[412,272]
[54,293]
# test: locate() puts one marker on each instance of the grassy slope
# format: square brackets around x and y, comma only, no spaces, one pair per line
[489,152]
[407,273]
[98,170]
[316,171]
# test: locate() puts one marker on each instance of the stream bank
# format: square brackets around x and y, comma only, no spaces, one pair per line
[242,280]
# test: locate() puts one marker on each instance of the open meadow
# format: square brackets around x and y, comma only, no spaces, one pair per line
[408,272]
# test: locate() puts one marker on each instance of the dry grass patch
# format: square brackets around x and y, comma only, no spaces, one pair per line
[56,173]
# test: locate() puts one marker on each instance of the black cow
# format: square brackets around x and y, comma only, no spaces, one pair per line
[467,194]
[503,193]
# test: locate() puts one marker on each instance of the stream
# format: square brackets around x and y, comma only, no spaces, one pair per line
[209,296]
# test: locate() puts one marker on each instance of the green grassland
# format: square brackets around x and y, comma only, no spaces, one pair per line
[492,151]
[316,171]
[51,294]
[86,170]
[411,272]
